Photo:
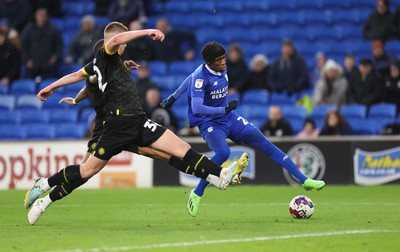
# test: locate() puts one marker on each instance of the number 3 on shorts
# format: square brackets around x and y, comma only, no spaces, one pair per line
[150,125]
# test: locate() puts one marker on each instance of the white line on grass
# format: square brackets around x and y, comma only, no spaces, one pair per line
[207,242]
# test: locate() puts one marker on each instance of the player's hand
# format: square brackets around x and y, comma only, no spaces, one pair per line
[68,100]
[167,103]
[131,65]
[232,105]
[156,35]
[44,93]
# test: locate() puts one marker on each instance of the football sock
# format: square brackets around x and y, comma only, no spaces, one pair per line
[68,175]
[177,163]
[216,141]
[60,191]
[47,201]
[257,139]
[199,165]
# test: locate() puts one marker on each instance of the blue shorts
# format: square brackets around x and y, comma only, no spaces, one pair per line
[232,126]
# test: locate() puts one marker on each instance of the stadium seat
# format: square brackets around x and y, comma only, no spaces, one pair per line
[180,112]
[251,35]
[282,99]
[308,5]
[12,132]
[28,102]
[40,132]
[182,67]
[34,117]
[279,5]
[318,17]
[258,123]
[63,116]
[67,69]
[289,18]
[365,127]
[52,102]
[9,117]
[319,112]
[90,7]
[255,5]
[346,17]
[209,21]
[364,4]
[350,32]
[73,89]
[77,9]
[296,124]
[166,83]
[199,7]
[294,112]
[393,47]
[157,67]
[235,19]
[72,24]
[183,22]
[264,19]
[4,89]
[335,4]
[87,116]
[297,34]
[103,21]
[257,112]
[58,23]
[70,131]
[382,111]
[255,97]
[7,102]
[244,110]
[177,7]
[354,111]
[23,86]
[232,6]
[46,82]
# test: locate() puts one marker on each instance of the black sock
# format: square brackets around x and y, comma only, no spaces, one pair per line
[177,163]
[68,175]
[60,191]
[198,165]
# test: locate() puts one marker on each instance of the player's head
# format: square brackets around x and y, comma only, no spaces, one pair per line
[113,29]
[214,55]
[98,45]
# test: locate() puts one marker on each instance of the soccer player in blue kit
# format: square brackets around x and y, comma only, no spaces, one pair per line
[209,109]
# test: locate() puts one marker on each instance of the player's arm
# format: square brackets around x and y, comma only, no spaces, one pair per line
[82,94]
[167,103]
[112,45]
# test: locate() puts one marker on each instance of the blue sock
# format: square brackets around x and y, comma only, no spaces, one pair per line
[257,139]
[216,141]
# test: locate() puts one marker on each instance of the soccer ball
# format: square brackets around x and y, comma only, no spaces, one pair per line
[301,207]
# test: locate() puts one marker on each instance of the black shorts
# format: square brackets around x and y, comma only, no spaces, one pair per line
[124,132]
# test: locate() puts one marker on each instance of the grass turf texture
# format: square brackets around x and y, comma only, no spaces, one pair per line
[131,219]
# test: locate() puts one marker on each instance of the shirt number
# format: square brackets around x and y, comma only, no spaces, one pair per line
[244,121]
[150,125]
[102,86]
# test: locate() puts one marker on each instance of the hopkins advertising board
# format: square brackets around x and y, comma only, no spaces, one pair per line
[21,162]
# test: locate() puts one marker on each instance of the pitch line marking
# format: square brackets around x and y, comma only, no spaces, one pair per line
[239,240]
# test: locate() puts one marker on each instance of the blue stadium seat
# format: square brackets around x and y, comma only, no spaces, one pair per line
[354,111]
[23,86]
[288,18]
[320,112]
[12,132]
[183,22]
[103,21]
[273,50]
[308,5]
[323,33]
[393,47]
[67,37]
[297,34]
[255,97]
[272,35]
[365,127]
[255,5]
[166,83]
[4,89]
[73,9]
[67,69]
[58,23]
[73,89]
[282,99]
[278,5]
[70,131]
[363,48]
[202,7]
[350,31]
[318,17]
[72,24]
[63,116]
[364,4]
[233,6]
[9,117]
[157,67]
[180,112]
[258,112]
[87,116]
[335,4]
[236,19]
[177,7]
[258,123]
[294,112]
[244,109]
[251,35]
[46,82]
[296,124]
[40,131]
[264,19]
[52,102]
[28,102]
[90,7]
[182,67]
[209,21]
[34,117]
[382,111]
[7,102]
[346,17]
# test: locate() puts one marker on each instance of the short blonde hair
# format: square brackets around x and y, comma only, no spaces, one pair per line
[115,27]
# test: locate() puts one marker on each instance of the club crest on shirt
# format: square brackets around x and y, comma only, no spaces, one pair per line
[198,83]
[215,83]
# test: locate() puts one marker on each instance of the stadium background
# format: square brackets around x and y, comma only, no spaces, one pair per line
[332,27]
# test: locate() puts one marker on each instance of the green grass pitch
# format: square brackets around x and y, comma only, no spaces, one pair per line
[242,218]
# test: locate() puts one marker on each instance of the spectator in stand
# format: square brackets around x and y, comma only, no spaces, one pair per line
[335,124]
[332,87]
[141,49]
[41,45]
[172,46]
[379,24]
[258,78]
[155,112]
[144,82]
[392,85]
[18,12]
[367,86]
[396,23]
[238,71]
[10,61]
[12,34]
[289,72]
[309,130]
[124,11]
[350,68]
[317,71]
[81,48]
[53,7]
[102,6]
[276,125]
[381,59]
